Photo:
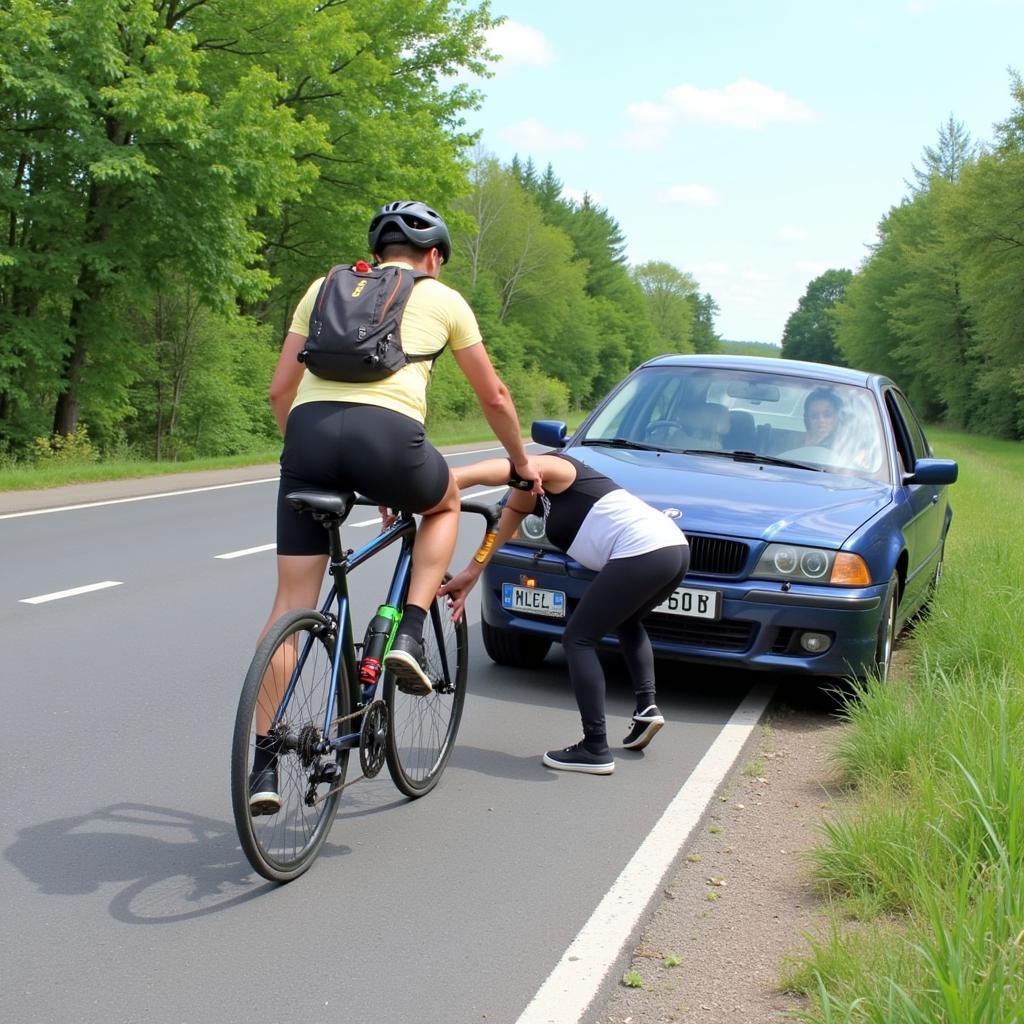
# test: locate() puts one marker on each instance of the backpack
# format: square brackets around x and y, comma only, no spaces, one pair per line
[354,327]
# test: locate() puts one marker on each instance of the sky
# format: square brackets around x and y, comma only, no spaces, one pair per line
[752,144]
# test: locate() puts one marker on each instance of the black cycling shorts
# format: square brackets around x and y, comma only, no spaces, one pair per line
[348,446]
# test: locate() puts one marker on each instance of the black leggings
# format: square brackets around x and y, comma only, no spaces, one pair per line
[622,593]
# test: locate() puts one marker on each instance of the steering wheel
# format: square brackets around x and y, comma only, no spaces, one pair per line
[660,431]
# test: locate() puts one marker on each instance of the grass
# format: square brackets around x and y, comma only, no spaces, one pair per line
[924,865]
[57,473]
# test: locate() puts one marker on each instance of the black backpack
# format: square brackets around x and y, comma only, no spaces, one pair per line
[354,327]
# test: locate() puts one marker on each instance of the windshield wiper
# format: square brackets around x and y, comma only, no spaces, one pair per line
[622,442]
[766,460]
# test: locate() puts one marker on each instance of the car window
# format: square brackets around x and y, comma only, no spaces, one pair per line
[915,435]
[682,408]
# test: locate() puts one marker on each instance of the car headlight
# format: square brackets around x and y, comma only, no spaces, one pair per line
[531,529]
[797,564]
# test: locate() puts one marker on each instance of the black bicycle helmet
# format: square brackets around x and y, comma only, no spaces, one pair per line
[408,221]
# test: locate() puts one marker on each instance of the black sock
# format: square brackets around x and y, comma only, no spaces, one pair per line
[412,621]
[644,701]
[264,755]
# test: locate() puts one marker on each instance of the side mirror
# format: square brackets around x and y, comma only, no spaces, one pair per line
[933,471]
[550,433]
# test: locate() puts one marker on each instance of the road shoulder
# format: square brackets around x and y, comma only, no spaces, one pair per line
[742,899]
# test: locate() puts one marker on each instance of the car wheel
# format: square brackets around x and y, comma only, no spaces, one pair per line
[518,650]
[887,629]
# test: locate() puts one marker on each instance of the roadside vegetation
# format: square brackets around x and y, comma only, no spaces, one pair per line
[923,866]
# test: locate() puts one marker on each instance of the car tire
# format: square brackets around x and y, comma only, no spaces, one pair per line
[517,650]
[887,629]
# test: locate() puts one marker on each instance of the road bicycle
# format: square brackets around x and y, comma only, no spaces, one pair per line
[318,695]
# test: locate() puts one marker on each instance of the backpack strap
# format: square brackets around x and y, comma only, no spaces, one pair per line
[431,356]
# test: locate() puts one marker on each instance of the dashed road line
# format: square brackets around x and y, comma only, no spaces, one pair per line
[58,595]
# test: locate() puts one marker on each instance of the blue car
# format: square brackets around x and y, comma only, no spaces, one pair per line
[816,513]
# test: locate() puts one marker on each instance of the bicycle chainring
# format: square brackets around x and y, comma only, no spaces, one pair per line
[373,738]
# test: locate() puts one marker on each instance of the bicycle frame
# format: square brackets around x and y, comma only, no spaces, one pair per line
[341,562]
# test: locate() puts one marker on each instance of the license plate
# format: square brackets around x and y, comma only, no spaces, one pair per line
[533,600]
[694,604]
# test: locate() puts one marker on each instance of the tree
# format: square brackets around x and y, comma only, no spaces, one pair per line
[810,330]
[672,302]
[947,159]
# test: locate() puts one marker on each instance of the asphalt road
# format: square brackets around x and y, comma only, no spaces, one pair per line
[125,894]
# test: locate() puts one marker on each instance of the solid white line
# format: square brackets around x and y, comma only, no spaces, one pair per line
[190,490]
[73,592]
[571,986]
[138,497]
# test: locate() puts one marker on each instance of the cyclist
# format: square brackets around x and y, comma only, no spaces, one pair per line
[370,438]
[639,556]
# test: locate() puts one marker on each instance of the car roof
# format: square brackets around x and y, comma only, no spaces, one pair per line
[765,364]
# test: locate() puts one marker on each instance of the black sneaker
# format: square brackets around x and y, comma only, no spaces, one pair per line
[407,662]
[643,727]
[264,797]
[578,759]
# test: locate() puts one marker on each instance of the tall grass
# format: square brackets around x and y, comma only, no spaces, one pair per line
[925,868]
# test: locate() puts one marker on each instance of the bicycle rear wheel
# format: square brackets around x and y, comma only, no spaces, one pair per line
[281,846]
[423,728]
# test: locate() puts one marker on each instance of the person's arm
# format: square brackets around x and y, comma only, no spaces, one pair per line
[287,374]
[498,408]
[519,505]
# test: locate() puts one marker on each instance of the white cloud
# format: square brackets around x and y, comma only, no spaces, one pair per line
[791,233]
[741,104]
[532,136]
[519,44]
[689,195]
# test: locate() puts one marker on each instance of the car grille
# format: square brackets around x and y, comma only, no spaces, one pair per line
[715,556]
[724,635]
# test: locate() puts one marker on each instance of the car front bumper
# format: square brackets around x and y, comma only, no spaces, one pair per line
[760,626]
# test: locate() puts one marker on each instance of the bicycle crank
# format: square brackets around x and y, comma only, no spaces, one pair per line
[373,738]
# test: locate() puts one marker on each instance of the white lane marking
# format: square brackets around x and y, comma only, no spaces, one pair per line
[571,986]
[73,592]
[247,551]
[365,522]
[190,490]
[138,497]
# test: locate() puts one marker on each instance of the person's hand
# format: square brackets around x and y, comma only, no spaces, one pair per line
[387,517]
[457,590]
[529,470]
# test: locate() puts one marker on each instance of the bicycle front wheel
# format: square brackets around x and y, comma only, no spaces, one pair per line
[423,728]
[292,667]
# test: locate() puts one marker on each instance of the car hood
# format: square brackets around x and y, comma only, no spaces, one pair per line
[741,499]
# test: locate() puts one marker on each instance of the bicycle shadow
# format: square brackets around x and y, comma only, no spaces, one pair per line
[173,865]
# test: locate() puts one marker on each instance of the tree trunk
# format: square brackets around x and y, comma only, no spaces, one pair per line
[90,291]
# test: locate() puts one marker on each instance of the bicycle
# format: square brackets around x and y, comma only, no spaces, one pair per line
[323,696]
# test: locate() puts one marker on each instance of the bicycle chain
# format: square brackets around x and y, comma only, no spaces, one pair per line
[351,782]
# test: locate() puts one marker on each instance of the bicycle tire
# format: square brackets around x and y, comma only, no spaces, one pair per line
[281,846]
[423,728]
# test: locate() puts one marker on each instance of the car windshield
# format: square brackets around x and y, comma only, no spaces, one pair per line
[822,425]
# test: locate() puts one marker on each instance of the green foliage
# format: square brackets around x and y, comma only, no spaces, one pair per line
[938,305]
[810,331]
[74,447]
[930,853]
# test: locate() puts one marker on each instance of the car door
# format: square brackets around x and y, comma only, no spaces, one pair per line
[927,503]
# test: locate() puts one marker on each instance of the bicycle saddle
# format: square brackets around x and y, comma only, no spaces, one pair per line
[332,503]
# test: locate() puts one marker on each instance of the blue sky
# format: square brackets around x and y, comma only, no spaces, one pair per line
[753,145]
